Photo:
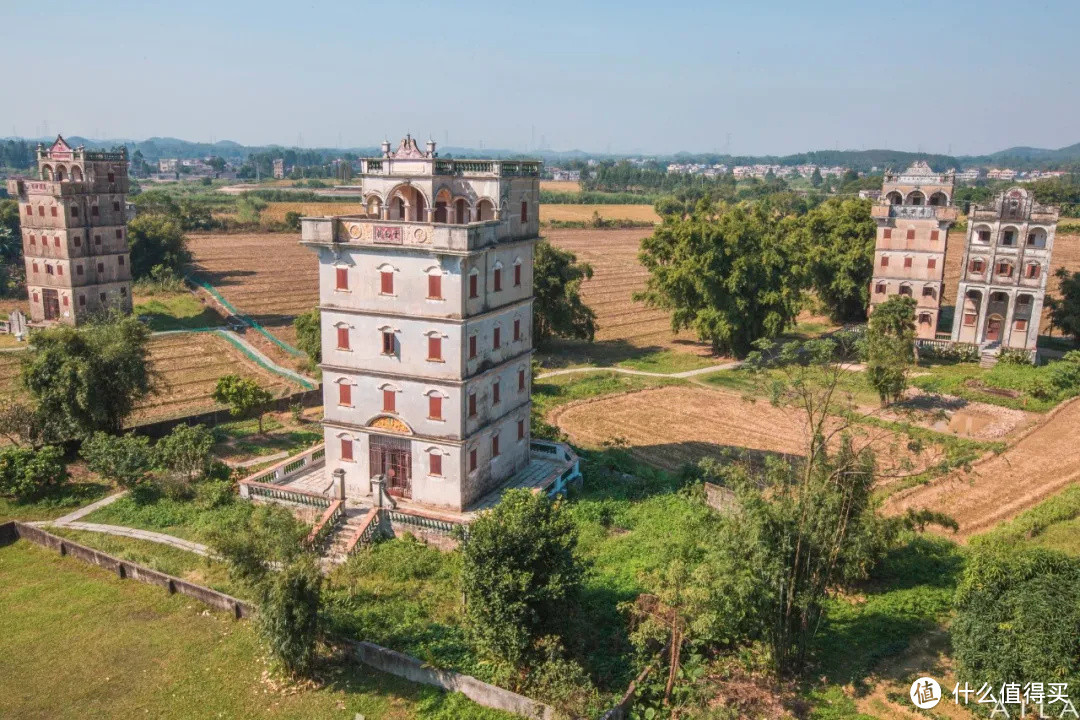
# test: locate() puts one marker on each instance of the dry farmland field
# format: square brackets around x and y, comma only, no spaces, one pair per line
[269,276]
[584,213]
[187,366]
[671,426]
[561,186]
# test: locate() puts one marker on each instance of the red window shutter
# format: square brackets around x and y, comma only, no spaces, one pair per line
[346,449]
[472,286]
[59,269]
[41,210]
[434,287]
[472,459]
[884,261]
[343,338]
[911,234]
[907,262]
[498,279]
[1021,324]
[495,394]
[52,211]
[435,462]
[494,446]
[434,348]
[931,263]
[35,297]
[472,405]
[35,266]
[969,319]
[65,301]
[29,210]
[344,394]
[934,235]
[434,407]
[387,283]
[496,338]
[521,380]
[342,278]
[388,343]
[472,346]
[33,240]
[517,330]
[524,211]
[887,233]
[517,274]
[388,401]
[521,429]
[120,260]
[56,240]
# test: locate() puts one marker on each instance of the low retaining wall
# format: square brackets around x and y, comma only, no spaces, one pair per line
[126,569]
[158,428]
[405,666]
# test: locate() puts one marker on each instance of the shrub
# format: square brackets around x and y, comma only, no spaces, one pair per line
[27,474]
[289,617]
[125,460]
[1014,356]
[292,221]
[184,454]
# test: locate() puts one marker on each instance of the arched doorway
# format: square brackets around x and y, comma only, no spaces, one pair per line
[916,198]
[461,211]
[939,199]
[442,202]
[485,210]
[993,328]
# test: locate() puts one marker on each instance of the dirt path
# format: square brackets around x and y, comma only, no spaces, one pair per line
[1040,464]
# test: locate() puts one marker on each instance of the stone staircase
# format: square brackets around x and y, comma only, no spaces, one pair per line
[335,550]
[988,354]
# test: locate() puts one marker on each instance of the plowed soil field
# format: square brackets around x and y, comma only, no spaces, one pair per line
[671,426]
[1000,487]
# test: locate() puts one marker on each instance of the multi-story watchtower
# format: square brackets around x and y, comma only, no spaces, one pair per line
[74,233]
[426,304]
[913,217]
[1003,279]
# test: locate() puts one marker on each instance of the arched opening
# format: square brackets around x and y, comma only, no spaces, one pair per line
[46,172]
[374,206]
[982,233]
[1008,236]
[894,198]
[400,209]
[916,198]
[939,199]
[407,203]
[993,328]
[485,210]
[76,174]
[905,290]
[461,211]
[442,206]
[60,173]
[1036,238]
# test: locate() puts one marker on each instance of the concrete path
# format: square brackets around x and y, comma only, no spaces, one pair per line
[136,534]
[645,373]
[84,511]
[259,460]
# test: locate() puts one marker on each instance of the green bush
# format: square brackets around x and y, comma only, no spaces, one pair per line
[27,474]
[1017,611]
[1014,356]
[125,460]
[184,458]
[289,617]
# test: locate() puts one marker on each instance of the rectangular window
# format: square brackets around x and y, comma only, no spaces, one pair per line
[48,269]
[911,234]
[101,267]
[434,348]
[56,240]
[29,210]
[344,394]
[65,301]
[517,330]
[120,260]
[928,291]
[34,265]
[884,261]
[97,239]
[52,211]
[496,338]
[74,211]
[969,319]
[495,394]
[389,403]
[59,269]
[1021,324]
[346,449]
[931,263]
[94,211]
[33,240]
[387,283]
[78,270]
[119,234]
[498,280]
[116,206]
[984,236]
[524,211]
[434,407]
[343,338]
[434,287]
[907,262]
[494,446]
[342,276]
[521,429]
[41,210]
[112,177]
[472,286]
[472,405]
[472,346]
[472,459]
[78,241]
[521,381]
[435,463]
[517,275]
[933,235]
[123,292]
[387,343]
[887,233]
[82,301]
[101,297]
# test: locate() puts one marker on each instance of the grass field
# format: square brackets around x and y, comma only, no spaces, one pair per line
[78,642]
[561,186]
[175,311]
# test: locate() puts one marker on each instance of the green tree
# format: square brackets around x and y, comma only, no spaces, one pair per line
[890,347]
[243,396]
[216,163]
[157,239]
[185,452]
[558,310]
[309,334]
[89,378]
[28,474]
[520,570]
[1065,311]
[124,459]
[815,178]
[10,233]
[838,239]
[292,220]
[725,272]
[1017,608]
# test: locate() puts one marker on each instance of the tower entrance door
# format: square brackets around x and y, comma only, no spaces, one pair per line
[51,300]
[993,328]
[392,457]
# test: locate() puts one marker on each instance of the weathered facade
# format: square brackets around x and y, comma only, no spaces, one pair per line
[913,214]
[426,304]
[1003,279]
[74,233]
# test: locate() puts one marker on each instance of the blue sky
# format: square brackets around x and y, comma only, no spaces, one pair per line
[753,77]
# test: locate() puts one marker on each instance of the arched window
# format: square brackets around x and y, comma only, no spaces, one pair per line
[61,174]
[938,199]
[76,173]
[905,290]
[485,210]
[46,172]
[374,206]
[916,198]
[1036,238]
[1008,236]
[894,198]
